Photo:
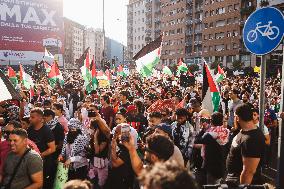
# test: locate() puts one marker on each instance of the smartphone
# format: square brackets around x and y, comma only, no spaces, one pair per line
[125,133]
[92,113]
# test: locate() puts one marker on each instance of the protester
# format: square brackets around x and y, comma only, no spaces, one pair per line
[183,133]
[167,176]
[78,184]
[235,101]
[28,171]
[166,130]
[247,150]
[73,152]
[59,110]
[43,137]
[214,139]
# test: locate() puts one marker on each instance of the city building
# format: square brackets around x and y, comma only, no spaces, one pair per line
[135,26]
[94,38]
[74,42]
[153,20]
[221,34]
[115,51]
[181,24]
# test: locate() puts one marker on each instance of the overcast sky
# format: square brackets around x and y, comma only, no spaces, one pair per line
[89,13]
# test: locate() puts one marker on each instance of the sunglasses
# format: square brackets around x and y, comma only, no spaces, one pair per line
[205,120]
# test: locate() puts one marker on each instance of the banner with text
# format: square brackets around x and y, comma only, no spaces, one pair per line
[27,27]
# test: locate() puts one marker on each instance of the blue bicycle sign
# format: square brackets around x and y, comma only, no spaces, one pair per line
[271,32]
[263,30]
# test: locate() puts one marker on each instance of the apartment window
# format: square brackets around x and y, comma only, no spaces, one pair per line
[138,12]
[235,33]
[219,47]
[206,13]
[220,23]
[179,30]
[235,46]
[220,10]
[228,46]
[138,38]
[219,35]
[211,25]
[205,49]
[142,37]
[229,21]
[210,36]
[143,20]
[230,8]
[236,6]
[205,37]
[210,48]
[229,34]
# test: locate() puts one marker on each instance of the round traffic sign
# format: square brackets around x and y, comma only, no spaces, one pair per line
[263,30]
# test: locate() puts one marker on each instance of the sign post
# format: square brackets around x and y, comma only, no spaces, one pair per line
[263,32]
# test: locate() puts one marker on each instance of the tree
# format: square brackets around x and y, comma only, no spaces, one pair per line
[238,64]
[193,68]
[264,3]
[214,65]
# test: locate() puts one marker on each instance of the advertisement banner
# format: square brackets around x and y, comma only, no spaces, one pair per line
[27,27]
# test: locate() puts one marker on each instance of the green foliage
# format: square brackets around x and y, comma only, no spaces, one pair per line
[238,64]
[193,68]
[214,65]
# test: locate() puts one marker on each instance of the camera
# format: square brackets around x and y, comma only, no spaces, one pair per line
[92,113]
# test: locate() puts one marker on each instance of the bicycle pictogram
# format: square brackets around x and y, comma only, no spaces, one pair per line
[271,32]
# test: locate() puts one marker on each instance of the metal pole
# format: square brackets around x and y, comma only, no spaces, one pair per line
[104,32]
[280,164]
[262,92]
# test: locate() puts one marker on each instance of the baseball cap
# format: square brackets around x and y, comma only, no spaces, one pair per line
[166,128]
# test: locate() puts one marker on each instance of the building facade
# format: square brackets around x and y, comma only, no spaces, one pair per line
[74,42]
[181,24]
[115,51]
[153,20]
[221,34]
[135,26]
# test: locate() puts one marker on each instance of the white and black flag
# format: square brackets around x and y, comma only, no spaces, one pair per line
[7,90]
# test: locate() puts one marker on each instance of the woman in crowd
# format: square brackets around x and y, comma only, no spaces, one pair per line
[73,152]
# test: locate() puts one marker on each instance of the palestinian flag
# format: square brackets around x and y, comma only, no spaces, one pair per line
[190,74]
[47,67]
[108,74]
[54,75]
[120,71]
[8,91]
[86,73]
[182,66]
[26,79]
[220,75]
[95,82]
[12,76]
[167,71]
[210,93]
[148,57]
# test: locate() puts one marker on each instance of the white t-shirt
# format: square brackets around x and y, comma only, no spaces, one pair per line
[265,130]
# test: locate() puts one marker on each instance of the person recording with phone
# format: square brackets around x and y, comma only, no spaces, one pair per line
[122,174]
[98,150]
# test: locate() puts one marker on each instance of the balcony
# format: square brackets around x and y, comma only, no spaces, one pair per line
[157,31]
[148,22]
[148,31]
[197,31]
[189,22]
[198,9]
[188,43]
[188,12]
[157,20]
[189,1]
[188,32]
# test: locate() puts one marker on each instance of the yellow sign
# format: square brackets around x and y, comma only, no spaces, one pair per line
[256,69]
[104,83]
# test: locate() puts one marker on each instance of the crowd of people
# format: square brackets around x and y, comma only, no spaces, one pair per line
[138,133]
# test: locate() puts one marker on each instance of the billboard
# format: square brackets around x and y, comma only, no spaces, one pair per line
[27,27]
